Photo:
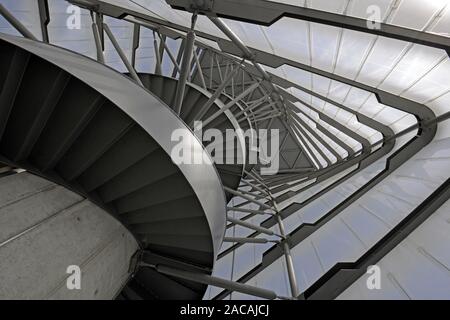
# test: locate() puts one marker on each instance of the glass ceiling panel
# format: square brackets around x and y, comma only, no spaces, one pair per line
[412,14]
[392,65]
[26,12]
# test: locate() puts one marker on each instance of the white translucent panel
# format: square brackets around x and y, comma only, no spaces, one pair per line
[354,125]
[309,111]
[145,53]
[78,40]
[441,104]
[358,290]
[251,34]
[443,131]
[443,151]
[329,109]
[244,260]
[427,246]
[304,195]
[352,52]
[301,78]
[320,84]
[292,222]
[307,265]
[317,44]
[242,296]
[433,235]
[335,6]
[324,41]
[302,185]
[432,85]
[403,123]
[157,8]
[367,226]
[419,183]
[26,12]
[414,65]
[336,242]
[364,8]
[416,14]
[371,107]
[338,91]
[284,44]
[356,98]
[204,25]
[312,212]
[423,61]
[389,115]
[348,235]
[274,277]
[381,60]
[344,116]
[123,32]
[161,10]
[5,27]
[139,6]
[318,103]
[364,131]
[442,26]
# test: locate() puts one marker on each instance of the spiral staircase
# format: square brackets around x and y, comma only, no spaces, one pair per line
[85,158]
[232,168]
[77,133]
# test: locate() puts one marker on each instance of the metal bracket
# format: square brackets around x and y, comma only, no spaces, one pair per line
[203,5]
[136,258]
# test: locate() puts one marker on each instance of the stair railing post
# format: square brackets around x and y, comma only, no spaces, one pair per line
[186,66]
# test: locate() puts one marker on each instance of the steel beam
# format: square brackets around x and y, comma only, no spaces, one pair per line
[217,282]
[342,275]
[251,226]
[97,39]
[44,18]
[158,57]
[16,23]
[246,240]
[185,70]
[231,103]
[238,209]
[122,55]
[268,12]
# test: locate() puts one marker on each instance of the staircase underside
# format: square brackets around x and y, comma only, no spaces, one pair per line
[195,98]
[82,125]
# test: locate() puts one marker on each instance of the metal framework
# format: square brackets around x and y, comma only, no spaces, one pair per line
[320,152]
